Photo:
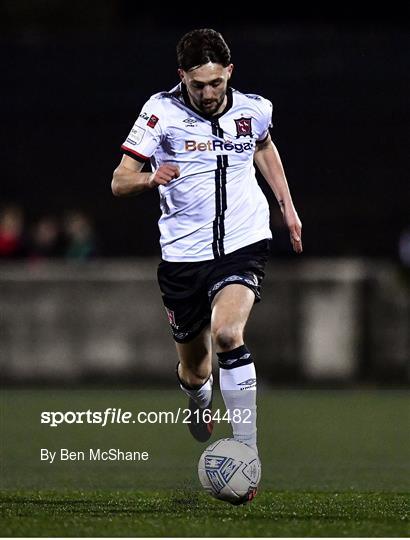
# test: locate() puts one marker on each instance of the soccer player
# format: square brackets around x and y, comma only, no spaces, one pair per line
[202,139]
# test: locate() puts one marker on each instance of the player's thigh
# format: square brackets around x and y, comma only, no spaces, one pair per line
[198,351]
[231,307]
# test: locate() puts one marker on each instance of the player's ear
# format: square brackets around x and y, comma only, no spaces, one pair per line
[230,69]
[181,74]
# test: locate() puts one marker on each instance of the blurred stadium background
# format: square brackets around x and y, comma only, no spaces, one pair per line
[78,298]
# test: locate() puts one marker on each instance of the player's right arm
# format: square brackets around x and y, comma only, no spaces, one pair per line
[142,141]
[129,180]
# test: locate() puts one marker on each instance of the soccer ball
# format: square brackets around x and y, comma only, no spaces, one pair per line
[230,471]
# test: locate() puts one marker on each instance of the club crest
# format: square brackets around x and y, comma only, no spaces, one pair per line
[243,127]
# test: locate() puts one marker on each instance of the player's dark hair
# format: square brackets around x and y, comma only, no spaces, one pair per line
[199,47]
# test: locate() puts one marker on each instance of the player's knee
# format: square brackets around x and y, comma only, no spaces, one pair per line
[227,338]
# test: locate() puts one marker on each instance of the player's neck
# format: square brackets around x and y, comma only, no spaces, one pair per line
[222,107]
[215,113]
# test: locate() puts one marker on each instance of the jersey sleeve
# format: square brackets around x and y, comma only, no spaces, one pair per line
[146,133]
[265,107]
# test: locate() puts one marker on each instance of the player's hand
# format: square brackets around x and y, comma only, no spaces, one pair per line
[295,229]
[163,175]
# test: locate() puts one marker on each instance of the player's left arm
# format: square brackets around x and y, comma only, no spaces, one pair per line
[270,165]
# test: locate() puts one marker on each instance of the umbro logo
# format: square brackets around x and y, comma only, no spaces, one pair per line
[248,384]
[190,122]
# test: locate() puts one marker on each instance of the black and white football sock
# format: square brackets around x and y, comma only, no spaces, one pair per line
[200,393]
[237,378]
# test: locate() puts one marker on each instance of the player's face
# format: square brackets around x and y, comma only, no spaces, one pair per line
[207,85]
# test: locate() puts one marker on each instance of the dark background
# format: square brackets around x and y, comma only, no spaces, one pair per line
[75,75]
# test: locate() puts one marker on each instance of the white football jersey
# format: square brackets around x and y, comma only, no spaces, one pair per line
[216,205]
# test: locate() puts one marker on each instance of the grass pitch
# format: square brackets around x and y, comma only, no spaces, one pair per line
[334,463]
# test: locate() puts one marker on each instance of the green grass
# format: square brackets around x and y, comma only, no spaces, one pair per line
[335,463]
[193,514]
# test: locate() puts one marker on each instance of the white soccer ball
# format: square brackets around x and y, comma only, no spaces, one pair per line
[230,471]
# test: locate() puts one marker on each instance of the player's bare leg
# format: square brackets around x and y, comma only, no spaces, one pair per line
[230,311]
[194,372]
[195,358]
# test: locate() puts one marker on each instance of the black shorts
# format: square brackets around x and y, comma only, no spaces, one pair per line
[188,288]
